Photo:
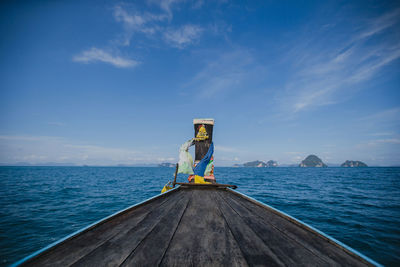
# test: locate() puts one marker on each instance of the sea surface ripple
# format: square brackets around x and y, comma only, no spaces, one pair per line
[358,206]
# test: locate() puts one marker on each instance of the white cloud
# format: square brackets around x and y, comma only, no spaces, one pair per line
[183,36]
[328,70]
[379,24]
[95,55]
[387,114]
[390,142]
[98,152]
[132,21]
[166,5]
[146,23]
[226,72]
[374,64]
[382,134]
[43,149]
[167,159]
[155,25]
[387,141]
[198,4]
[27,138]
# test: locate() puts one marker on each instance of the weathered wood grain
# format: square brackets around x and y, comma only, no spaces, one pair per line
[115,250]
[277,241]
[152,248]
[320,247]
[202,237]
[198,226]
[255,251]
[72,250]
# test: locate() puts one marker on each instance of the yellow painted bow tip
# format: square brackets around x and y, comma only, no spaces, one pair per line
[166,187]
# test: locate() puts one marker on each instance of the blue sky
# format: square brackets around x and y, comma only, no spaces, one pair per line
[114,82]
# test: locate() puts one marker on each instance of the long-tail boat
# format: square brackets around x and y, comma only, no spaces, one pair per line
[198,225]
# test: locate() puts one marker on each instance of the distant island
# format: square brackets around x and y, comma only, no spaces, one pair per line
[167,164]
[272,163]
[353,163]
[312,161]
[258,164]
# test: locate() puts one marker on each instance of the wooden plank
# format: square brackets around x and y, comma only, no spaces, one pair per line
[255,251]
[313,242]
[115,250]
[202,237]
[72,250]
[152,248]
[277,241]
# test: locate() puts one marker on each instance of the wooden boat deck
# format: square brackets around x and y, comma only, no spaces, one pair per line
[198,227]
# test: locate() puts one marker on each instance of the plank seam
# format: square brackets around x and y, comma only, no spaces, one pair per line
[165,200]
[152,229]
[286,235]
[230,230]
[350,251]
[176,228]
[227,203]
[38,253]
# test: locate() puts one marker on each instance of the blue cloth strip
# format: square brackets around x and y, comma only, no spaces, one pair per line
[202,165]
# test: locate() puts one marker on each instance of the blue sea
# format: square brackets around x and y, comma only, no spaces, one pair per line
[358,206]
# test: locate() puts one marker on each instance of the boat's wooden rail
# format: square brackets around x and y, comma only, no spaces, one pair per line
[213,185]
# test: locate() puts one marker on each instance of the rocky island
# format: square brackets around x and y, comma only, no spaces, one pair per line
[259,164]
[353,163]
[312,161]
[256,163]
[272,163]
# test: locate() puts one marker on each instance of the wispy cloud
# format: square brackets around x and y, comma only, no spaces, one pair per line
[387,120]
[382,134]
[389,142]
[28,138]
[56,123]
[166,5]
[384,115]
[227,72]
[156,25]
[325,67]
[183,36]
[42,149]
[149,28]
[111,154]
[134,21]
[146,23]
[386,141]
[98,55]
[377,25]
